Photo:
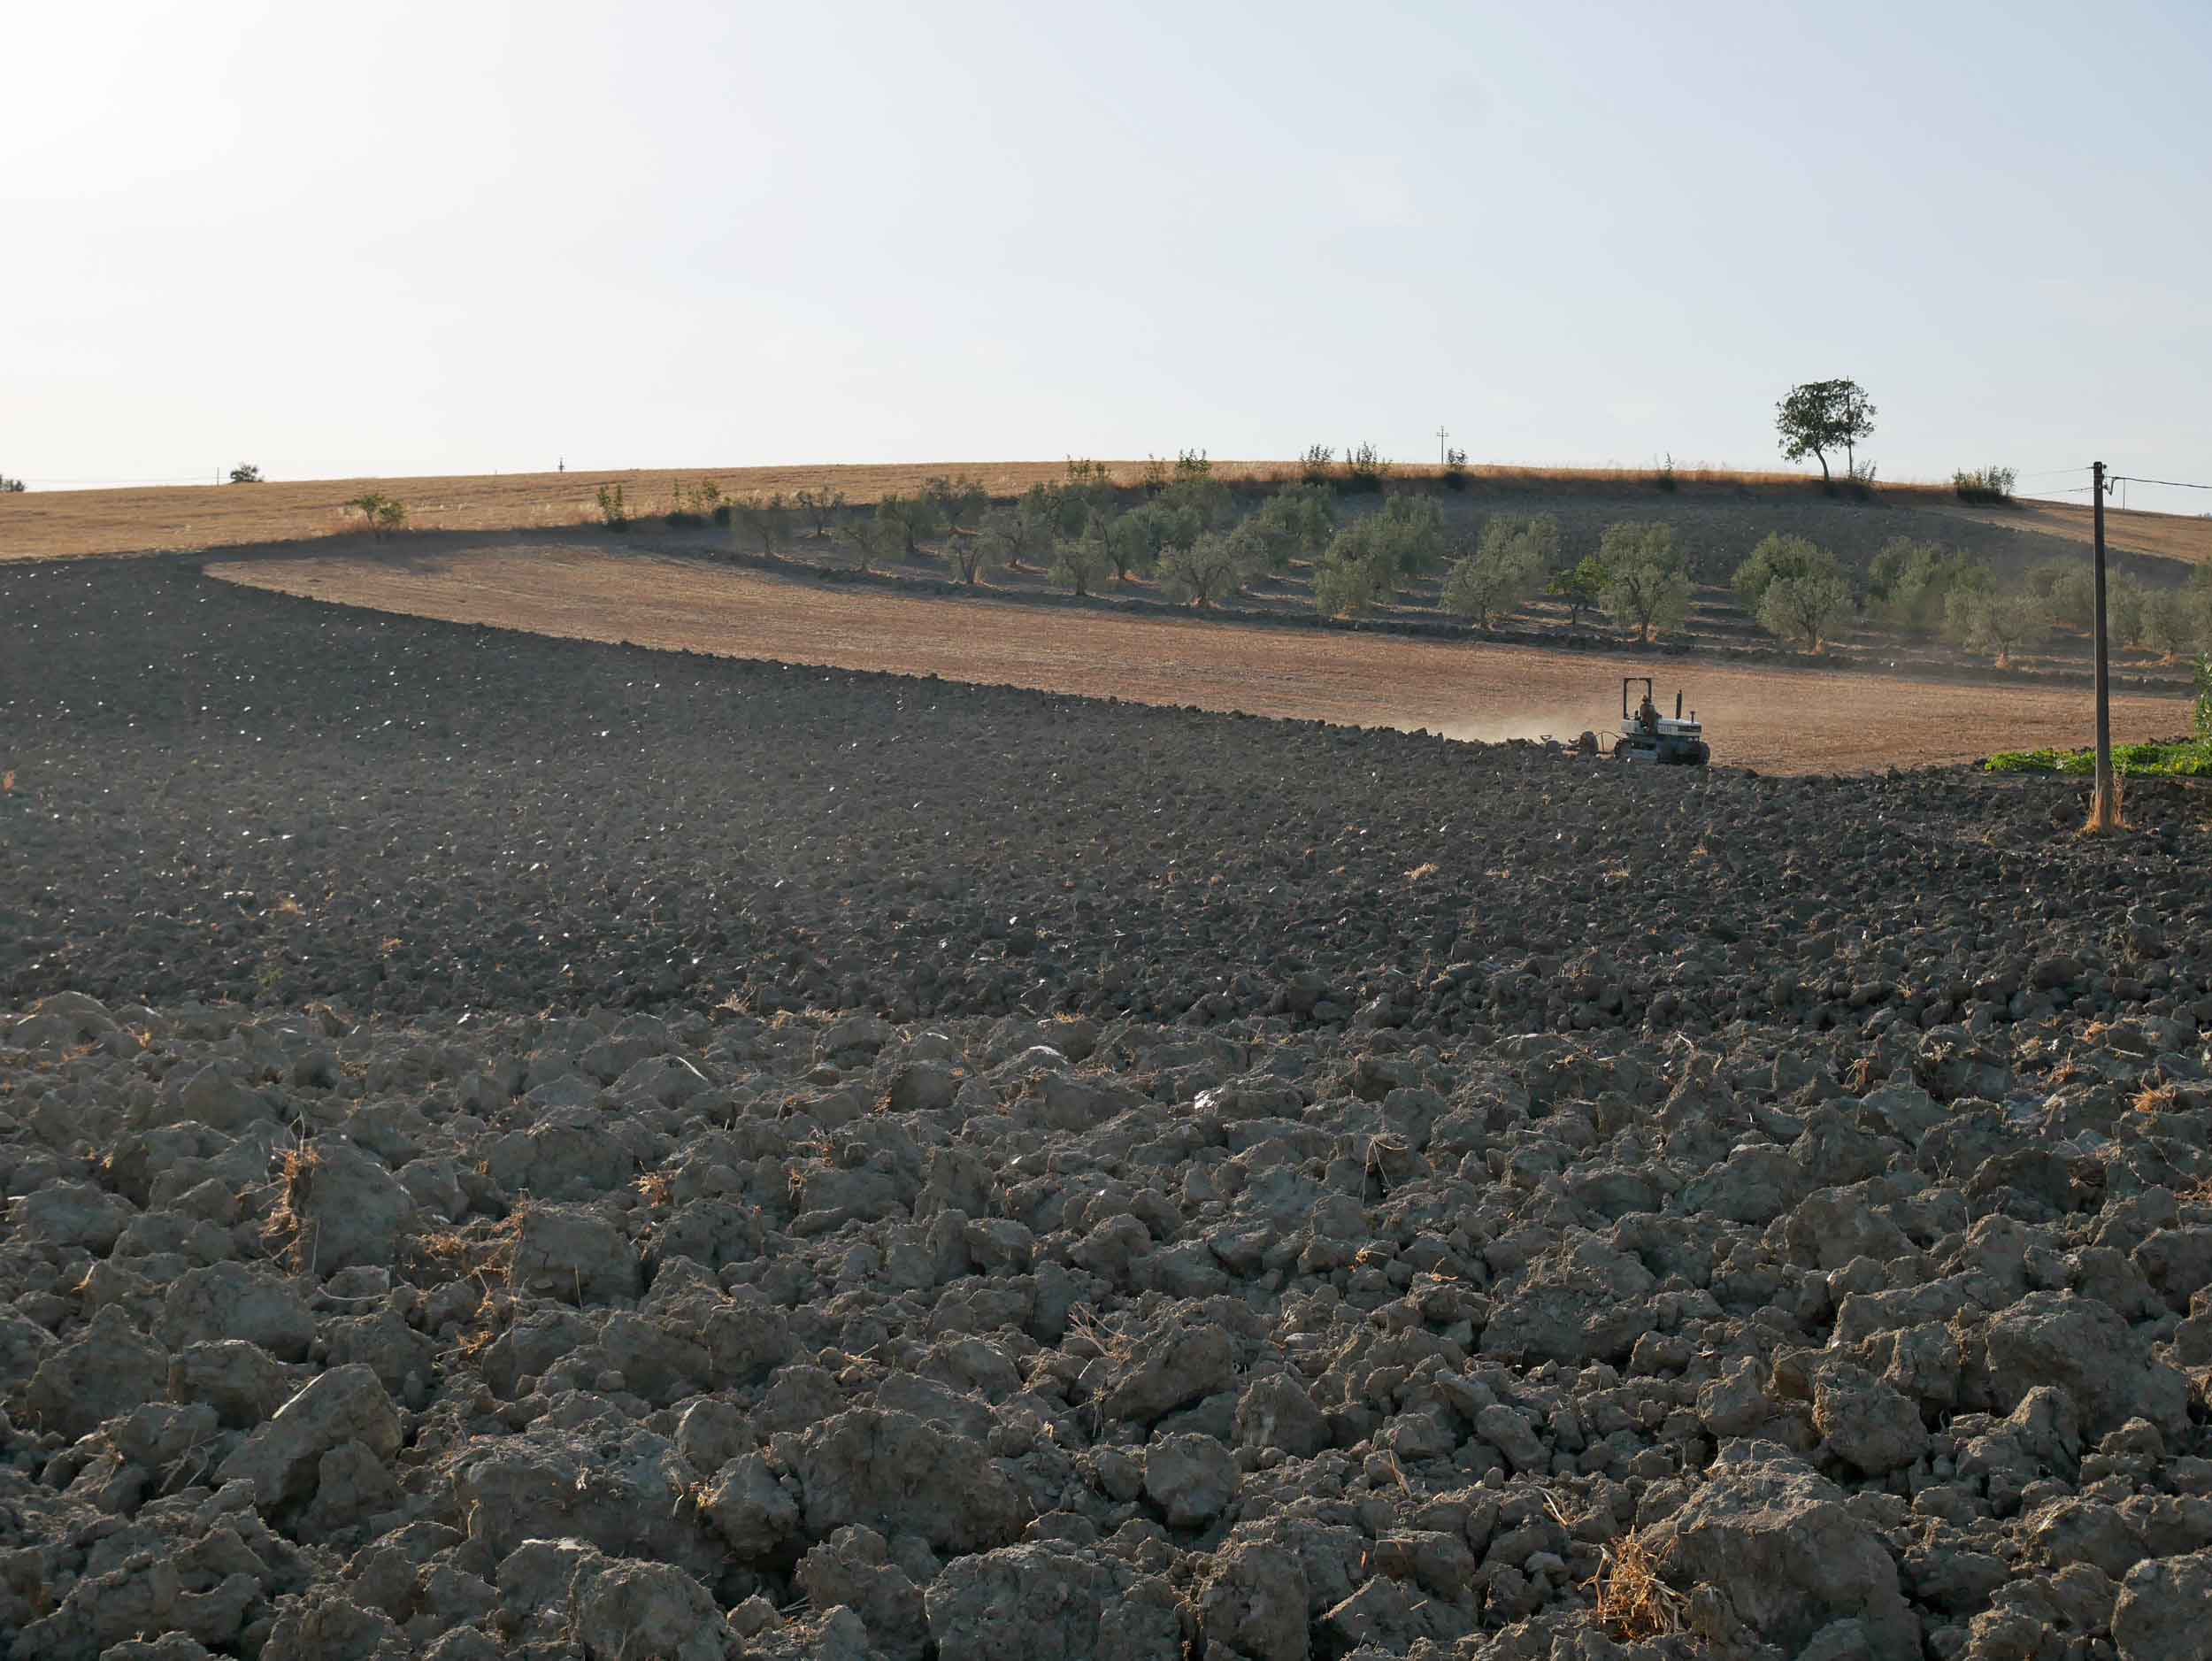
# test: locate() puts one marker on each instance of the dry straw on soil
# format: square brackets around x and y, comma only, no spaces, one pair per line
[1634,1601]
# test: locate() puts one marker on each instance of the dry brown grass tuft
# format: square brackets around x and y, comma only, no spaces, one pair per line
[2105,816]
[2156,1098]
[7,782]
[288,1233]
[1633,1602]
[1419,873]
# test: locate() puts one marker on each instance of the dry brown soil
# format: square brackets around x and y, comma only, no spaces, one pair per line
[2168,535]
[1776,719]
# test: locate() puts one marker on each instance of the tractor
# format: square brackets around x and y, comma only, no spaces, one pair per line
[1648,735]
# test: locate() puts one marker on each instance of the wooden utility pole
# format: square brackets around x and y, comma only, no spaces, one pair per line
[1442,457]
[2103,811]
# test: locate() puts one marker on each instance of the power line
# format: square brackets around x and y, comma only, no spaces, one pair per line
[2052,472]
[2175,484]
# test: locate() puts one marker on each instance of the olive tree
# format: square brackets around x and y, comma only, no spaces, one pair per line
[245,473]
[1292,524]
[1646,585]
[870,542]
[1358,570]
[1210,566]
[1804,608]
[1086,558]
[1138,539]
[1414,529]
[954,499]
[1777,557]
[764,519]
[1509,566]
[2176,622]
[1998,624]
[820,504]
[914,517]
[1913,580]
[1819,416]
[1580,588]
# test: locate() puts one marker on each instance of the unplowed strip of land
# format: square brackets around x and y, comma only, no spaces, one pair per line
[1778,720]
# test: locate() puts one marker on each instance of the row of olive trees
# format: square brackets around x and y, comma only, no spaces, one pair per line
[2173,622]
[1800,592]
[1638,576]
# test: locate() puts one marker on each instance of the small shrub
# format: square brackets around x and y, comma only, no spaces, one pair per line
[1664,478]
[1210,568]
[1318,465]
[245,473]
[695,504]
[1984,484]
[614,513]
[1155,475]
[1805,608]
[1365,468]
[1646,586]
[10,487]
[380,513]
[1192,464]
[1454,470]
[821,505]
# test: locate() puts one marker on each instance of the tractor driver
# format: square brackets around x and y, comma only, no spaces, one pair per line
[1648,713]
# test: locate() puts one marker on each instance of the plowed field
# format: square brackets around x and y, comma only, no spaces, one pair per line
[1778,720]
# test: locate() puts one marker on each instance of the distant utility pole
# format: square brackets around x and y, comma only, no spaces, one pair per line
[2103,813]
[1442,457]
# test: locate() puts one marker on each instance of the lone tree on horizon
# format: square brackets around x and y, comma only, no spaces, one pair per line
[1823,415]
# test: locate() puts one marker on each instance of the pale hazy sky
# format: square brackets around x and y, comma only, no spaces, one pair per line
[413,238]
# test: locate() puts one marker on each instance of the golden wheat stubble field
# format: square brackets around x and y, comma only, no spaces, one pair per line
[56,524]
[1776,719]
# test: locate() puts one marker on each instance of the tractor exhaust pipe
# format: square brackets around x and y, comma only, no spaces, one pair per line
[1677,704]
